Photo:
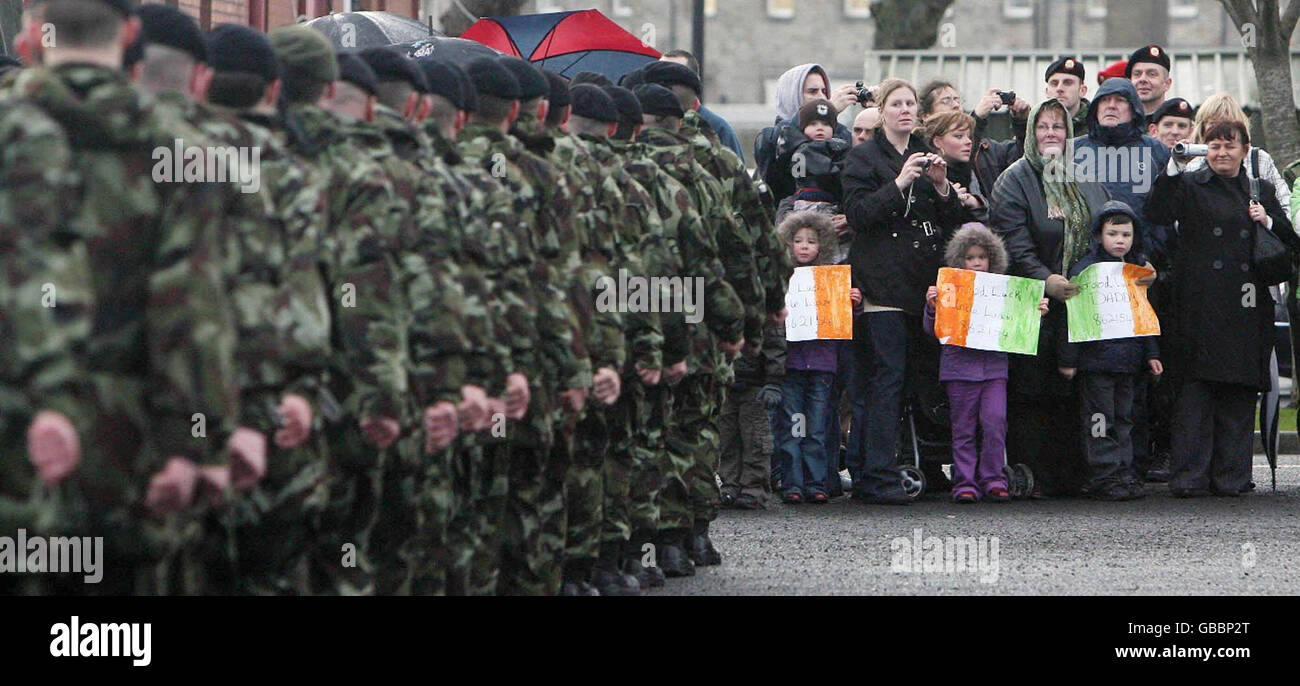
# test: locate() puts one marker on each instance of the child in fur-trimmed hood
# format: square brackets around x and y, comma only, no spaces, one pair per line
[809,376]
[976,380]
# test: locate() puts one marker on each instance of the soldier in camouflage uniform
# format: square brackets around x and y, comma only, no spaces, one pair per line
[432,245]
[284,355]
[692,438]
[161,397]
[544,206]
[369,370]
[759,270]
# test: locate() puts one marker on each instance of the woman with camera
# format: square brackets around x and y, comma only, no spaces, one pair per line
[902,208]
[1044,216]
[1223,310]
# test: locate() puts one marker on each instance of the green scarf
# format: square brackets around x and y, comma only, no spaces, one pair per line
[1064,200]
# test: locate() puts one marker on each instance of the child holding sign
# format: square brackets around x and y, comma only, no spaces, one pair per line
[1108,369]
[810,374]
[976,380]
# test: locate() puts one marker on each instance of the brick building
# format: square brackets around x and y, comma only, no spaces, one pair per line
[268,14]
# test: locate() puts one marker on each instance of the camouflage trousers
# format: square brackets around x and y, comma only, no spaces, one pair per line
[746,444]
[480,486]
[521,567]
[637,464]
[552,507]
[341,562]
[584,485]
[690,491]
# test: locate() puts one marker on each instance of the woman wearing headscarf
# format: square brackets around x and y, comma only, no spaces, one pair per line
[1045,216]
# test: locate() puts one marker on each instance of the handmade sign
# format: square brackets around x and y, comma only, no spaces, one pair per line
[988,311]
[1111,304]
[818,304]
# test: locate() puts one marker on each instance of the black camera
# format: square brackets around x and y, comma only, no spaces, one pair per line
[1008,97]
[925,164]
[864,94]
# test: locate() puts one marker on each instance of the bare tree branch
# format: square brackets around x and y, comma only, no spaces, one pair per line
[1289,17]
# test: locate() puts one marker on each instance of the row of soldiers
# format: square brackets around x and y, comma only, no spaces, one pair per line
[281,320]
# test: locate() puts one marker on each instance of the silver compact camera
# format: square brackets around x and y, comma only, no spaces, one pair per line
[1191,149]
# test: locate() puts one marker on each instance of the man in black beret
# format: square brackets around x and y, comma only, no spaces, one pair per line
[671,74]
[400,83]
[557,107]
[657,101]
[1171,122]
[534,90]
[1065,82]
[591,77]
[1148,69]
[629,112]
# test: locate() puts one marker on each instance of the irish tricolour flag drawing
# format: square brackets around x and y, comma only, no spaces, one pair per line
[988,311]
[1111,304]
[818,304]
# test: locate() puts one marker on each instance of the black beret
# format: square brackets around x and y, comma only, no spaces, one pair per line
[490,77]
[632,79]
[559,94]
[124,7]
[467,89]
[1173,107]
[531,82]
[235,47]
[592,77]
[442,80]
[592,102]
[1151,53]
[1065,65]
[391,65]
[166,25]
[659,101]
[672,74]
[629,108]
[355,71]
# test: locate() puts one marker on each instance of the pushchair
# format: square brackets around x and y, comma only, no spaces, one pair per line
[926,442]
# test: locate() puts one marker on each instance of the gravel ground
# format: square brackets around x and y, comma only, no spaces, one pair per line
[1158,545]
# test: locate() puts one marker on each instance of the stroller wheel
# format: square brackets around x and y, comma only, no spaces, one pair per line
[913,482]
[1020,480]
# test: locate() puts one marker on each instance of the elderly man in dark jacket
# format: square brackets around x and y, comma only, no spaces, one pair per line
[1223,310]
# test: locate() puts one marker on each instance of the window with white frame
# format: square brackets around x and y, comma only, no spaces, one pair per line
[620,8]
[1183,9]
[1017,9]
[780,9]
[710,8]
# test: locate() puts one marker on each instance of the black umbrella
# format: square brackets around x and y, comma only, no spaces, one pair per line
[369,29]
[1268,418]
[458,51]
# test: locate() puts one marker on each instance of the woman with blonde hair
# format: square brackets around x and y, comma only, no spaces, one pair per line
[1223,107]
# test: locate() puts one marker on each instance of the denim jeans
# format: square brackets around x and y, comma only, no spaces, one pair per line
[834,436]
[803,446]
[880,343]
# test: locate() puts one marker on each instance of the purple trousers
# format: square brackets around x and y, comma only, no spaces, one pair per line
[983,404]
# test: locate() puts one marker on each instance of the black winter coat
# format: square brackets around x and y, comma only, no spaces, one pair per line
[1218,338]
[897,250]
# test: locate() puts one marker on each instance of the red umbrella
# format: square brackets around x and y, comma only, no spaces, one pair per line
[566,42]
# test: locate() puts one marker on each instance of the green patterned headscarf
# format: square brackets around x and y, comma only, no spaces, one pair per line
[1064,200]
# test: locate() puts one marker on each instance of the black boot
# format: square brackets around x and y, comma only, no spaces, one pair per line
[670,553]
[576,573]
[703,553]
[607,577]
